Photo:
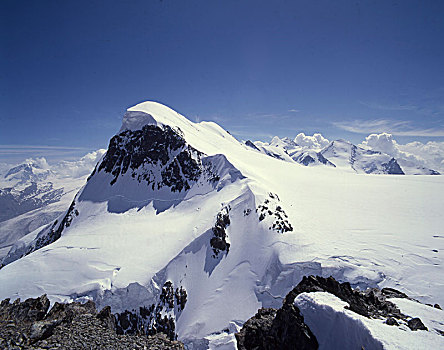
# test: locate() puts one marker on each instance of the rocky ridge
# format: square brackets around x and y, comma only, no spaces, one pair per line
[284,328]
[29,325]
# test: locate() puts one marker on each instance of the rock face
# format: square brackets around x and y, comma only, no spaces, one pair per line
[371,303]
[28,325]
[132,150]
[218,242]
[276,329]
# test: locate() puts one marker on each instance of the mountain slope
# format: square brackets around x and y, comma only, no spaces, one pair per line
[33,193]
[181,206]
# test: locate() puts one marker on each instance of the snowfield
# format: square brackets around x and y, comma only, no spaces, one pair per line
[285,221]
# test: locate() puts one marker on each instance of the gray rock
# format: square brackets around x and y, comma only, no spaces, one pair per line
[392,322]
[42,329]
[416,324]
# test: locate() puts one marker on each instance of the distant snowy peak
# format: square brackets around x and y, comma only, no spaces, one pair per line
[310,157]
[290,151]
[29,171]
[346,155]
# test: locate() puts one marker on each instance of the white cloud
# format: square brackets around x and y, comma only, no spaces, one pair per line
[78,168]
[317,141]
[39,162]
[394,127]
[429,155]
[382,142]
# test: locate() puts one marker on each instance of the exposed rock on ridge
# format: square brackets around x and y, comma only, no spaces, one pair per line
[285,328]
[29,325]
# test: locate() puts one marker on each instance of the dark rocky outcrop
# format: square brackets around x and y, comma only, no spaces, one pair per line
[273,329]
[393,293]
[391,321]
[271,208]
[157,318]
[163,146]
[416,324]
[219,240]
[371,303]
[285,328]
[28,311]
[29,325]
[252,145]
[392,167]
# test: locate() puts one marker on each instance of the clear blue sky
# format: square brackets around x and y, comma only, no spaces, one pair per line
[69,69]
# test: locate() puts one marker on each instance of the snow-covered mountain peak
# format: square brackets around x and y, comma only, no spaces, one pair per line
[29,170]
[153,113]
[285,142]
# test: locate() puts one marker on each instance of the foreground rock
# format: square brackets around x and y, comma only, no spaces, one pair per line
[285,328]
[276,329]
[29,325]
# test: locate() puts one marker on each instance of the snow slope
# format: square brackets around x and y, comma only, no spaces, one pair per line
[34,193]
[239,221]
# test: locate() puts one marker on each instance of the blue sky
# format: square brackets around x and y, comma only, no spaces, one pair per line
[69,69]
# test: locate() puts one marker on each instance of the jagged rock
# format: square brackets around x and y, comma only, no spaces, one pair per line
[68,326]
[416,324]
[107,318]
[130,150]
[393,293]
[252,145]
[392,322]
[285,328]
[28,311]
[219,242]
[276,329]
[372,303]
[156,318]
[42,329]
[67,312]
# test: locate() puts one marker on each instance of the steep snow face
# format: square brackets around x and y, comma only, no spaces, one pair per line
[240,221]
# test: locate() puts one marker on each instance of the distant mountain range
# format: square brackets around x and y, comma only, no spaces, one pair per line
[340,154]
